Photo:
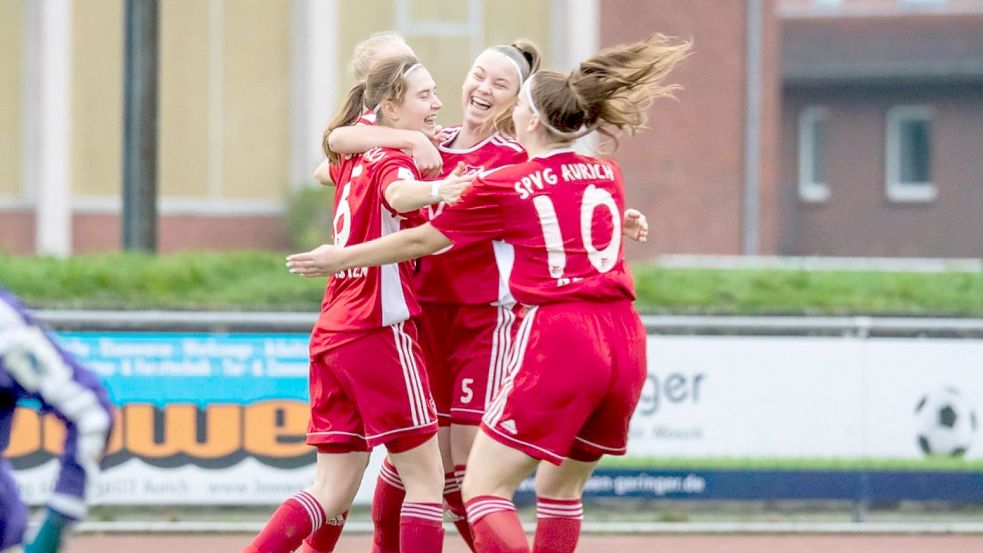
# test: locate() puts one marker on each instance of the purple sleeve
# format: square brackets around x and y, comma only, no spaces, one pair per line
[34,366]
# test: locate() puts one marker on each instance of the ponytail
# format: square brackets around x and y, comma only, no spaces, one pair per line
[349,112]
[609,92]
[386,81]
[365,54]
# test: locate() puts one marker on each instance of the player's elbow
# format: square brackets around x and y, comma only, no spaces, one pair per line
[426,240]
[323,173]
[399,197]
[338,143]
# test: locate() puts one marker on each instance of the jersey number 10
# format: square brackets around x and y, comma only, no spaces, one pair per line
[602,259]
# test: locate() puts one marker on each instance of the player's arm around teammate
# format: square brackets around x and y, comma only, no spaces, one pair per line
[32,366]
[408,192]
[377,47]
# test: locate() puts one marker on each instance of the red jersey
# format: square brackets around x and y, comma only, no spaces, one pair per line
[563,214]
[478,273]
[368,297]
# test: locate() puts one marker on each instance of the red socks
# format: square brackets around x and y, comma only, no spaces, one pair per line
[496,526]
[326,537]
[388,516]
[293,521]
[386,505]
[421,528]
[455,504]
[557,525]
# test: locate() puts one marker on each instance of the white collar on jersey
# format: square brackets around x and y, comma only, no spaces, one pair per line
[551,153]
[445,145]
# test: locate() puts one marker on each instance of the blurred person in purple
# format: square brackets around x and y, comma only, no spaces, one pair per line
[34,368]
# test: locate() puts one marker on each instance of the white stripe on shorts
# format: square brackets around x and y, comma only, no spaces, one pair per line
[414,392]
[501,344]
[494,412]
[415,374]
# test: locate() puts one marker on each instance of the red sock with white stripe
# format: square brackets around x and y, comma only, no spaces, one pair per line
[326,537]
[496,526]
[386,504]
[557,525]
[455,504]
[290,524]
[421,528]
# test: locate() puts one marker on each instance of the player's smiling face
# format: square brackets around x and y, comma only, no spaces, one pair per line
[490,86]
[420,106]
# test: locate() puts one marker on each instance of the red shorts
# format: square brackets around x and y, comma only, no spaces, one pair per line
[579,371]
[467,349]
[370,388]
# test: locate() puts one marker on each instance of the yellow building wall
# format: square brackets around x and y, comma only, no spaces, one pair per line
[256,100]
[234,145]
[447,58]
[184,124]
[356,21]
[225,99]
[11,97]
[508,20]
[225,86]
[96,98]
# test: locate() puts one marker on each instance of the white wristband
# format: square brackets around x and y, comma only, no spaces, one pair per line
[435,190]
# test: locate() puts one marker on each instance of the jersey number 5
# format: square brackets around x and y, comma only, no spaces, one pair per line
[602,259]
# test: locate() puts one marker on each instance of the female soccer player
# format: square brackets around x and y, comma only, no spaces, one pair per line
[378,46]
[578,364]
[34,367]
[468,315]
[367,383]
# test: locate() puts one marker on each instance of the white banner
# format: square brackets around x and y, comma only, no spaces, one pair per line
[809,397]
[224,424]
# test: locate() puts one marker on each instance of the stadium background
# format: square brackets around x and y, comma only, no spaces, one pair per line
[837,89]
[824,127]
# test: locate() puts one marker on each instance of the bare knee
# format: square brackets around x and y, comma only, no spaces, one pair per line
[566,481]
[421,471]
[337,480]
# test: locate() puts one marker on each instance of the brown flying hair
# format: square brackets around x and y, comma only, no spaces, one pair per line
[609,92]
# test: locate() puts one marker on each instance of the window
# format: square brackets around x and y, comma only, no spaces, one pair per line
[812,154]
[908,157]
[448,35]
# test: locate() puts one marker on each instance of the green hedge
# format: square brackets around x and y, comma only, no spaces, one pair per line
[253,280]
